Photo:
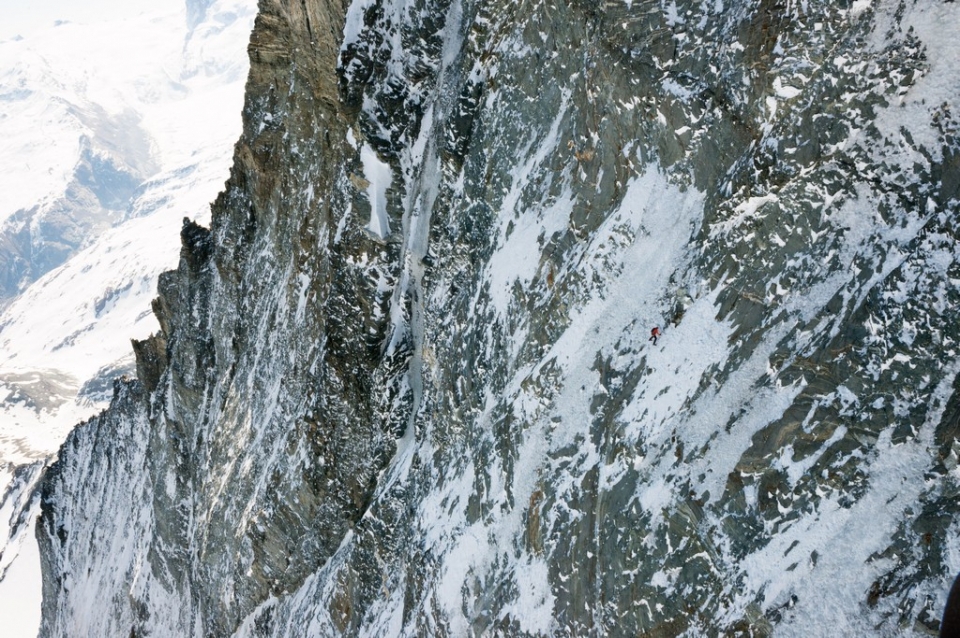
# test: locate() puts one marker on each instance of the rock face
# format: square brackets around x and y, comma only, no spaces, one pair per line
[403,383]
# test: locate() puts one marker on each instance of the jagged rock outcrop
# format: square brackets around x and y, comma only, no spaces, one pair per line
[403,384]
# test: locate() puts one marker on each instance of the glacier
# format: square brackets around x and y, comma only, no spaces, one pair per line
[402,383]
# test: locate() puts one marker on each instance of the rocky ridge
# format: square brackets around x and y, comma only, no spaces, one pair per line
[403,384]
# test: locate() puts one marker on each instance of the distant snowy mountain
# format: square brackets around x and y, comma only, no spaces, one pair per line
[115,124]
[129,130]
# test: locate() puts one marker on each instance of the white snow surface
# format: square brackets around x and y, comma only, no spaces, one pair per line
[22,19]
[379,176]
[20,583]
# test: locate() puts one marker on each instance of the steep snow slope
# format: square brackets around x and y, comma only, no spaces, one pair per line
[20,578]
[403,384]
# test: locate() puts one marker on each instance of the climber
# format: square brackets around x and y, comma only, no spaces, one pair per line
[654,334]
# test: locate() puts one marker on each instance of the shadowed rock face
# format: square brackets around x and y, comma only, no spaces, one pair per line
[457,426]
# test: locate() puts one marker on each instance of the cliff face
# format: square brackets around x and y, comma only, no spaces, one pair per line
[404,384]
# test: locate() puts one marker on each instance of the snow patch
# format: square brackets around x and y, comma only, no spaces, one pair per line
[379,177]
